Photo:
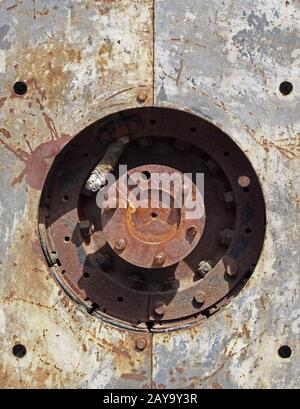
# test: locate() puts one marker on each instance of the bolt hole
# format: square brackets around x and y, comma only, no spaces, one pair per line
[248,231]
[67,239]
[146,175]
[152,122]
[20,88]
[284,351]
[86,275]
[286,87]
[120,299]
[19,350]
[193,129]
[246,189]
[65,198]
[154,215]
[53,252]
[226,153]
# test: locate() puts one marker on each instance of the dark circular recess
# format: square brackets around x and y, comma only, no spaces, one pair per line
[99,277]
[20,88]
[286,87]
[19,350]
[284,351]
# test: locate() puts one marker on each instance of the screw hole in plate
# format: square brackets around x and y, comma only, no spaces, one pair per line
[20,88]
[284,351]
[19,350]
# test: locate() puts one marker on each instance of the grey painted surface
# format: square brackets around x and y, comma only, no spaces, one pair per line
[225,61]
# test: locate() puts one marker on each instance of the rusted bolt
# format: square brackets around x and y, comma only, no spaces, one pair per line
[159,259]
[244,181]
[160,308]
[140,344]
[191,231]
[213,167]
[229,200]
[231,268]
[226,237]
[204,267]
[200,298]
[142,96]
[121,244]
[86,228]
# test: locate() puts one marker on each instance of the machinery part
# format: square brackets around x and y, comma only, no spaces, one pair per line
[155,235]
[149,256]
[98,177]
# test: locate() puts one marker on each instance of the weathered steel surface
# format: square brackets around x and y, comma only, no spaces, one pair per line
[224,61]
[81,60]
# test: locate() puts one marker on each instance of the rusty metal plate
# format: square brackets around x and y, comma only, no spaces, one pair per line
[81,61]
[231,62]
[65,68]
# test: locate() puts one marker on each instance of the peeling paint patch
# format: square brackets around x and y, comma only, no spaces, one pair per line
[266,39]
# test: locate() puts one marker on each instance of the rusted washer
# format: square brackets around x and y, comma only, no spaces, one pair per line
[159,226]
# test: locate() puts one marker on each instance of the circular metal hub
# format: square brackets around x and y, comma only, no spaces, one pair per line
[153,228]
[151,268]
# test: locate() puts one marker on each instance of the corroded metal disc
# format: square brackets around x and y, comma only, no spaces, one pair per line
[160,230]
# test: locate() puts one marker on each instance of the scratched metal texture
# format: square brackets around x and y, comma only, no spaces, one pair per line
[224,61]
[82,60]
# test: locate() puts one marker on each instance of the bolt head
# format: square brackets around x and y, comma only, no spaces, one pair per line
[142,96]
[231,267]
[159,259]
[204,267]
[121,244]
[200,298]
[191,231]
[160,308]
[141,344]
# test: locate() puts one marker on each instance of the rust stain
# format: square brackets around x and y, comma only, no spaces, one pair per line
[12,7]
[105,53]
[119,351]
[2,100]
[9,299]
[245,331]
[133,376]
[45,69]
[216,386]
[36,165]
[34,13]
[5,132]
